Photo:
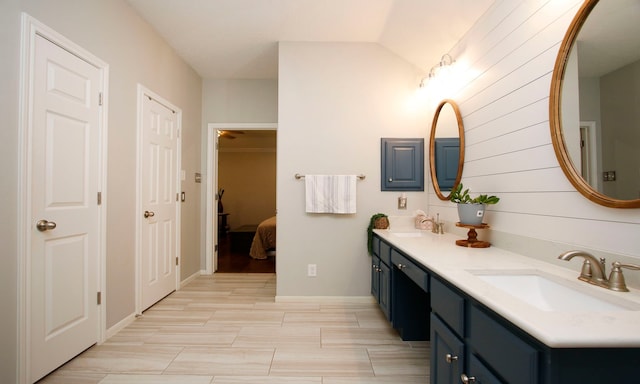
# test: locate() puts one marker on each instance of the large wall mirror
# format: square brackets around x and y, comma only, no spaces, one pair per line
[446,148]
[594,113]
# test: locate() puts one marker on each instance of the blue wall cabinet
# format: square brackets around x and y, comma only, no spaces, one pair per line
[447,156]
[402,167]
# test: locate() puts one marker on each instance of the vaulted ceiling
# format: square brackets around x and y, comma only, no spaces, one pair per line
[238,39]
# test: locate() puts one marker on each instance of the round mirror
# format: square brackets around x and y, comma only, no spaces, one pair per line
[446,148]
[594,115]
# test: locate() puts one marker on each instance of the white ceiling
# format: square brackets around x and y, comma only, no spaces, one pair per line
[237,39]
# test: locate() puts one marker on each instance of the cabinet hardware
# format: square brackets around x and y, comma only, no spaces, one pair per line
[401,266]
[467,379]
[449,358]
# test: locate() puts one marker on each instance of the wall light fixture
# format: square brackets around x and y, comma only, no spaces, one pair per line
[445,61]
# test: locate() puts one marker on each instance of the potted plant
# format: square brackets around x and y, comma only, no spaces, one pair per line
[377,221]
[471,209]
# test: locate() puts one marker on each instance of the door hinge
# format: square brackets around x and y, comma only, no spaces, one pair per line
[99,198]
[100,98]
[177,262]
[215,248]
[177,197]
[99,298]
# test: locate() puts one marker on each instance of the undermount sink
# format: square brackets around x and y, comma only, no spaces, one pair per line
[407,234]
[550,293]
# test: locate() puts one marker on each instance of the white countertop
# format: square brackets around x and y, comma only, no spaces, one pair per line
[557,329]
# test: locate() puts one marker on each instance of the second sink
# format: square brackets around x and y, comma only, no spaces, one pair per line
[550,293]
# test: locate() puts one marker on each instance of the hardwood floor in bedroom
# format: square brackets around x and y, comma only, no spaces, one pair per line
[228,329]
[231,260]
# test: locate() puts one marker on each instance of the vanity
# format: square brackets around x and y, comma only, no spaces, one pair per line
[484,329]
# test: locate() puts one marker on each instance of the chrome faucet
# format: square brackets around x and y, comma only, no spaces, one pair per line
[593,270]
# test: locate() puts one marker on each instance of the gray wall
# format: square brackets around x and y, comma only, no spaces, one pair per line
[335,102]
[112,31]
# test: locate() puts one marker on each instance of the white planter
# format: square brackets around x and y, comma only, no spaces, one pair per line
[471,214]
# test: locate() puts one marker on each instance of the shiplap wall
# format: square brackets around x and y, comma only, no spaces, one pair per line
[508,59]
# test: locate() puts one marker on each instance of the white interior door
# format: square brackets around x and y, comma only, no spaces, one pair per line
[159,163]
[64,263]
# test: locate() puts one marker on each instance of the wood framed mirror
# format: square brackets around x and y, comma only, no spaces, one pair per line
[446,148]
[595,140]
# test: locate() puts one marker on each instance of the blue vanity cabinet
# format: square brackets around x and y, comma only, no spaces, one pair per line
[402,164]
[468,341]
[381,275]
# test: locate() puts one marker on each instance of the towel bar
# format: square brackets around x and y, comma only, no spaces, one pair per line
[299,176]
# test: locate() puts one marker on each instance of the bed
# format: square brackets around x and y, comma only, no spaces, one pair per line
[264,241]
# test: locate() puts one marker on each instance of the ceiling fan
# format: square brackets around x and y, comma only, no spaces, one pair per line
[229,134]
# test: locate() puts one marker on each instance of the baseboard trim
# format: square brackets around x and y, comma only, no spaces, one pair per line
[120,325]
[190,279]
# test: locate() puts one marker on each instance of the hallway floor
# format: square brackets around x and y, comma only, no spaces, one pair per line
[230,259]
[227,328]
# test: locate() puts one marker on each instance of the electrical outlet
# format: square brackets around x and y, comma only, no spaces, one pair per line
[312,270]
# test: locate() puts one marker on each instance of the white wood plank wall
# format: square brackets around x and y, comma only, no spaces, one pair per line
[509,57]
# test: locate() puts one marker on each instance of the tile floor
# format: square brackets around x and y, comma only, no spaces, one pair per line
[228,329]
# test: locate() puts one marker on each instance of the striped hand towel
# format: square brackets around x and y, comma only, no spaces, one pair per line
[330,193]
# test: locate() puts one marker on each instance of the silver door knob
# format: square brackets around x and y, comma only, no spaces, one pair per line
[449,358]
[148,214]
[401,266]
[44,225]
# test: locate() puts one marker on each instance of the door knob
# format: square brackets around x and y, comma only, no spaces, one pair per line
[44,225]
[148,214]
[449,358]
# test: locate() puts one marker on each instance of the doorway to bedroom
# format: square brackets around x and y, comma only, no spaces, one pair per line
[244,199]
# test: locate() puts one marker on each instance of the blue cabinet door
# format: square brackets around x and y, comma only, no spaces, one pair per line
[402,167]
[375,277]
[447,354]
[384,294]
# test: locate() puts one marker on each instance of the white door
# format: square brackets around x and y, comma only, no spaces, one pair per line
[159,162]
[65,217]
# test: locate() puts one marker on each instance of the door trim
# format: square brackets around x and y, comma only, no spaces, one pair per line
[30,28]
[142,93]
[211,179]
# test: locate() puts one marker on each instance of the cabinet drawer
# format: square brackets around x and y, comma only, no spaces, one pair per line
[409,268]
[385,252]
[514,359]
[448,304]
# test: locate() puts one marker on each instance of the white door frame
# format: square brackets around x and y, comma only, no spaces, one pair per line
[142,93]
[212,181]
[30,28]
[592,154]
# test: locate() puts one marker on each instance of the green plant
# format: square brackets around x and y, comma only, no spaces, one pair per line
[462,197]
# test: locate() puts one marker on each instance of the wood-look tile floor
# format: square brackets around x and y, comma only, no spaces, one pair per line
[228,329]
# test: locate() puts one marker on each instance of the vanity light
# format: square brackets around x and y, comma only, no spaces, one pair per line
[445,61]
